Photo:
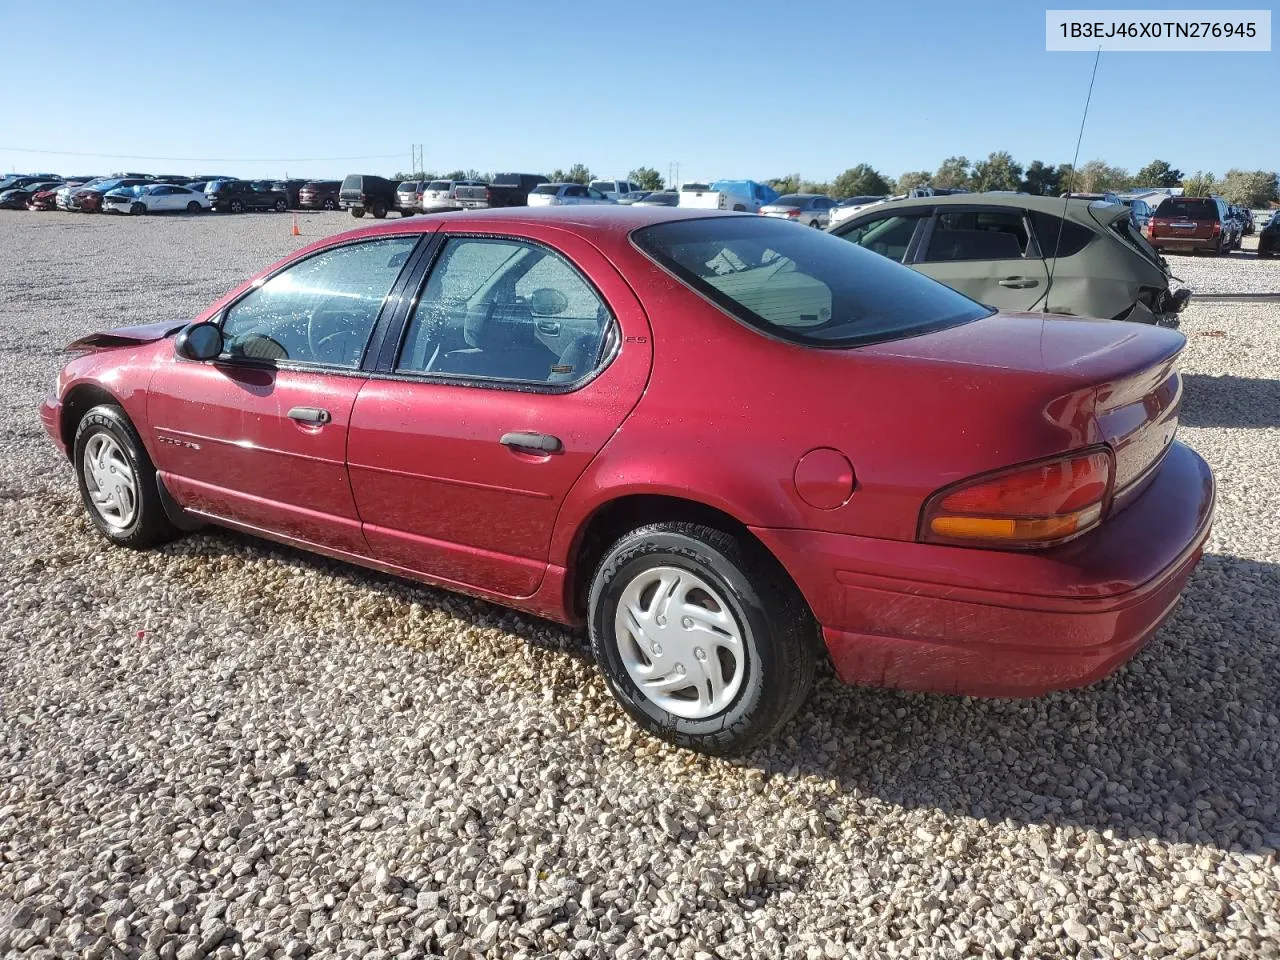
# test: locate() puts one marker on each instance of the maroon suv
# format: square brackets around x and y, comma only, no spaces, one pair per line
[319,195]
[1192,224]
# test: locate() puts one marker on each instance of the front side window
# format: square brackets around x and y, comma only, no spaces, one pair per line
[500,309]
[977,235]
[889,236]
[320,310]
[805,286]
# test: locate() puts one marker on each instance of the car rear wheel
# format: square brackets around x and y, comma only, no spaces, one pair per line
[379,210]
[815,224]
[357,212]
[702,639]
[138,209]
[236,206]
[281,206]
[193,207]
[117,480]
[329,205]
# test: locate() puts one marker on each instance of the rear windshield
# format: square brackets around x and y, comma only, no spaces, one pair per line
[604,186]
[858,201]
[805,286]
[409,186]
[790,200]
[506,180]
[439,185]
[551,188]
[1192,209]
[353,182]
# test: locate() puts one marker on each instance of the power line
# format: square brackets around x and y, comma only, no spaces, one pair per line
[136,156]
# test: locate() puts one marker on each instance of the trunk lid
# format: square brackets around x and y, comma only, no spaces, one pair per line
[1100,381]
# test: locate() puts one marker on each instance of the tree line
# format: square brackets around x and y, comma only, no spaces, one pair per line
[999,171]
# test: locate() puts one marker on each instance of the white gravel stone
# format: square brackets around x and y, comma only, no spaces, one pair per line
[404,772]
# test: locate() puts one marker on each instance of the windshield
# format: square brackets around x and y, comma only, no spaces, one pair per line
[805,286]
[858,201]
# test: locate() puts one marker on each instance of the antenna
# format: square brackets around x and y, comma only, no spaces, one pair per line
[1062,221]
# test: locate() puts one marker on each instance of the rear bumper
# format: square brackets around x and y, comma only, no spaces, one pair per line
[988,623]
[1184,243]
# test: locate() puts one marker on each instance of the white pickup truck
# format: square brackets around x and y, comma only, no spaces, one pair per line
[746,195]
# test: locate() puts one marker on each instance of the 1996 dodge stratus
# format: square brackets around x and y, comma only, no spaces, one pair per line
[721,441]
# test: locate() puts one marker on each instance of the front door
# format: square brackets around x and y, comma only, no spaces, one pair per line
[515,371]
[987,254]
[258,436]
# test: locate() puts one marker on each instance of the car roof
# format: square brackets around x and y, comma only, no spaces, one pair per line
[1075,209]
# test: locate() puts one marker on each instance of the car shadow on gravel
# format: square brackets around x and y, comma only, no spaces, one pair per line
[1228,401]
[1180,745]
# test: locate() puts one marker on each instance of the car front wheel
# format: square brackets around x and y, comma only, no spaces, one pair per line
[701,637]
[379,210]
[117,480]
[237,206]
[357,212]
[281,206]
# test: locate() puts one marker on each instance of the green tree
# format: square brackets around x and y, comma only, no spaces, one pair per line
[788,184]
[1157,173]
[998,172]
[954,172]
[578,173]
[646,178]
[1041,179]
[1249,188]
[809,186]
[1199,184]
[862,180]
[1096,177]
[913,179]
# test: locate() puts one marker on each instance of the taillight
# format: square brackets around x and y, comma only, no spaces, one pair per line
[488,194]
[1031,505]
[793,212]
[1217,229]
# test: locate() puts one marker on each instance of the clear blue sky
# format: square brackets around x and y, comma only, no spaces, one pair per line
[745,89]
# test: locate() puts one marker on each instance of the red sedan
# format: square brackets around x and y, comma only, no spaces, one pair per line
[721,441]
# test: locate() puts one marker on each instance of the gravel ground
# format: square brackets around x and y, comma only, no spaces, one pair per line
[1239,272]
[228,749]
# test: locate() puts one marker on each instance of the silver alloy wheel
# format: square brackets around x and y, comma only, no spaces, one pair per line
[110,480]
[680,642]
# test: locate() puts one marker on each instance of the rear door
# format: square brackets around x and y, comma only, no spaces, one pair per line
[519,361]
[987,253]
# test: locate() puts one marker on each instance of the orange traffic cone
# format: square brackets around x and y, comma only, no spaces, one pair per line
[295,231]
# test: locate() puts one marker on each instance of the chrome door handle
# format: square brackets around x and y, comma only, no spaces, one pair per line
[541,442]
[313,415]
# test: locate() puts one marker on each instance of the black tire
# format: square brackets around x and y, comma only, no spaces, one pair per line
[236,206]
[281,206]
[779,636]
[815,224]
[138,209]
[329,205]
[739,208]
[379,210]
[150,525]
[193,207]
[357,212]
[406,213]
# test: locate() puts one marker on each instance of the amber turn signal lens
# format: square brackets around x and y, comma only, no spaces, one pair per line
[1031,505]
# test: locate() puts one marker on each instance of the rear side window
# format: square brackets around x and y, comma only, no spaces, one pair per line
[1047,227]
[1188,209]
[805,286]
[977,235]
[501,309]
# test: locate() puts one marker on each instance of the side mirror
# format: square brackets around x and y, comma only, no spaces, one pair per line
[199,341]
